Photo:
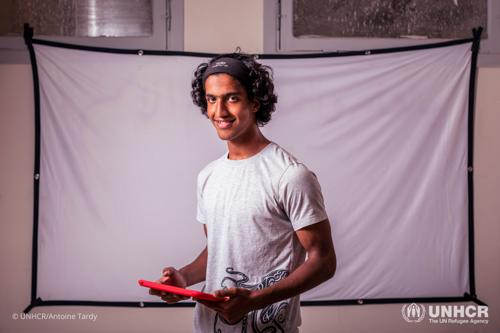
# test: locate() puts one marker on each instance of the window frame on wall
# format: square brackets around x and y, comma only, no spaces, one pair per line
[168,34]
[279,38]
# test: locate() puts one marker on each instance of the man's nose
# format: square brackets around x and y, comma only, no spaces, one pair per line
[220,110]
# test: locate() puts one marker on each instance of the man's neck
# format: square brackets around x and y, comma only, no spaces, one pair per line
[247,147]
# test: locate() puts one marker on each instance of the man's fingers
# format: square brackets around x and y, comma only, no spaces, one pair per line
[155,292]
[203,302]
[168,274]
[225,293]
[169,278]
[171,298]
[168,271]
[161,280]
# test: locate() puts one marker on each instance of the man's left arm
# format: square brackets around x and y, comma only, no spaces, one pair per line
[319,267]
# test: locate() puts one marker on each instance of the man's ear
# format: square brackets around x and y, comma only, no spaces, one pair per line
[256,105]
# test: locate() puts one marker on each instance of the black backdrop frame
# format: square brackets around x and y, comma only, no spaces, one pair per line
[467,297]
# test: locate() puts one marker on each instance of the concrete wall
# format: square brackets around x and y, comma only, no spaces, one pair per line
[221,26]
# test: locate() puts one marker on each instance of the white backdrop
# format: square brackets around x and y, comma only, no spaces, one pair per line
[122,145]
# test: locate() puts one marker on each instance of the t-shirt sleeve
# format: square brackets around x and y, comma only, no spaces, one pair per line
[300,196]
[200,214]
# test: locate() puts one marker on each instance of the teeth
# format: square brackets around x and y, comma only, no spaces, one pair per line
[224,124]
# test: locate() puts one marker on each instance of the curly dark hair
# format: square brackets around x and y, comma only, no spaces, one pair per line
[261,86]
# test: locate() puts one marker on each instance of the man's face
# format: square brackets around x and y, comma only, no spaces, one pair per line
[228,107]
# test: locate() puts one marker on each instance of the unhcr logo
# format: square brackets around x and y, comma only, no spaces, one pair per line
[413,313]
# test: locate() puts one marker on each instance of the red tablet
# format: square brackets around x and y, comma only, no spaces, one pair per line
[181,291]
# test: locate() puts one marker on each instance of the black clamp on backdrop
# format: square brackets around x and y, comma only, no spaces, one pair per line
[27,34]
[477,36]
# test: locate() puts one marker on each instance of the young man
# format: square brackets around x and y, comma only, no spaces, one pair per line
[262,211]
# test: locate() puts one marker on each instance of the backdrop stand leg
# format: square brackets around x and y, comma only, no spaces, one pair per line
[36,302]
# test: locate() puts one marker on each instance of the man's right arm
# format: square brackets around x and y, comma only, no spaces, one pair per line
[187,276]
[196,271]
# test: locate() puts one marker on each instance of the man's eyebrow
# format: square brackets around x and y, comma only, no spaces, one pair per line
[225,95]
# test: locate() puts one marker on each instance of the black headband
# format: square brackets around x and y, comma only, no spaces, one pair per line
[229,66]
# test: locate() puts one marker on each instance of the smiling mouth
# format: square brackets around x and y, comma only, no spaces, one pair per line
[224,123]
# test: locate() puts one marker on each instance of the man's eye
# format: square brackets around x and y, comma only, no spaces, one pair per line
[210,99]
[233,98]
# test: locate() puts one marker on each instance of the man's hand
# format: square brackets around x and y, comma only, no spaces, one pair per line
[172,277]
[319,267]
[241,301]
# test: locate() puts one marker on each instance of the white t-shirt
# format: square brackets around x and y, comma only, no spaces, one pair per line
[252,208]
